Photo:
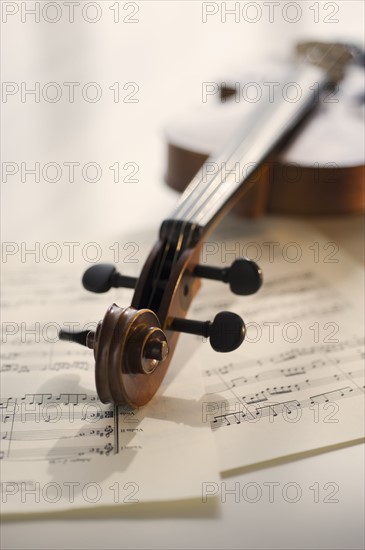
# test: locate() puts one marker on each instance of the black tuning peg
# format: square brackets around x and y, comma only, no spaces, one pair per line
[156,349]
[244,276]
[82,337]
[225,333]
[102,277]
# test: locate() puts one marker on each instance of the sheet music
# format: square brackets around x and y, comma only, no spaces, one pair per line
[297,382]
[61,448]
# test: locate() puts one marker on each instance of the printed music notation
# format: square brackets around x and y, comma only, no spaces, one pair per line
[336,367]
[63,453]
[57,434]
[306,366]
[269,401]
[305,295]
[317,392]
[286,393]
[60,366]
[54,430]
[76,421]
[274,409]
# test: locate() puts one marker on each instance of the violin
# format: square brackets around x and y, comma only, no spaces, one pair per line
[319,171]
[134,346]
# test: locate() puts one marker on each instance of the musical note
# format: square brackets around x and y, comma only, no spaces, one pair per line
[255,398]
[241,380]
[274,409]
[73,398]
[287,405]
[222,418]
[267,409]
[5,403]
[57,434]
[225,370]
[71,452]
[279,391]
[38,398]
[293,371]
[325,397]
[303,364]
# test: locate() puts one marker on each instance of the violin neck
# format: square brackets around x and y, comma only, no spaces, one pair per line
[224,178]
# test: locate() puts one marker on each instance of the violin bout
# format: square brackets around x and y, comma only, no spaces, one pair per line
[320,170]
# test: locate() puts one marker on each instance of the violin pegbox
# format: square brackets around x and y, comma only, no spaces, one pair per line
[133,346]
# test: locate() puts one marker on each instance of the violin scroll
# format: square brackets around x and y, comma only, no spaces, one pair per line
[133,346]
[127,344]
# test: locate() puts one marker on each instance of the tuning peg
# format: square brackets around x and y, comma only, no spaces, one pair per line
[102,277]
[244,276]
[155,346]
[84,337]
[226,332]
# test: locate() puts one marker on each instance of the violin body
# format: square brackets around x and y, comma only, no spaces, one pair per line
[320,171]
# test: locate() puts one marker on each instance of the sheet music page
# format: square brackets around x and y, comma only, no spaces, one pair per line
[61,448]
[295,385]
[297,382]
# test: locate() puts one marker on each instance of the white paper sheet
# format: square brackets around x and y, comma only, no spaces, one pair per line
[297,382]
[61,448]
[294,386]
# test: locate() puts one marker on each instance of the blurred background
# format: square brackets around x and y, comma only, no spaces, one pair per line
[147,61]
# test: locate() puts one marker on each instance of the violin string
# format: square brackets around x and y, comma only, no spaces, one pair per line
[188,212]
[212,186]
[162,262]
[185,214]
[193,211]
[199,187]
